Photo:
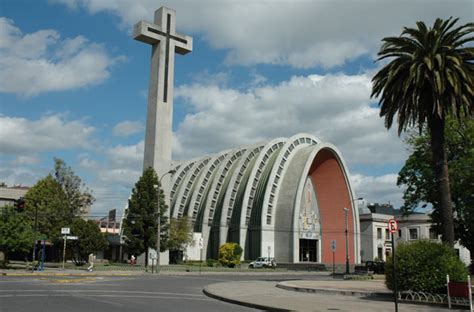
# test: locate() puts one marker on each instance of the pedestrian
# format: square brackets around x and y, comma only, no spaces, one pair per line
[91,262]
[132,260]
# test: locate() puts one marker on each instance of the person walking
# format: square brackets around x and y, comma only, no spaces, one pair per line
[91,262]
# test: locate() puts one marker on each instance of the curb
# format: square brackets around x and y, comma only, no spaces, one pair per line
[345,292]
[243,303]
[36,274]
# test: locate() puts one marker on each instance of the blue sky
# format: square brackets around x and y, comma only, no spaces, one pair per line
[73,84]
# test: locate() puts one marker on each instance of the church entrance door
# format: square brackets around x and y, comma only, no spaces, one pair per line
[308,250]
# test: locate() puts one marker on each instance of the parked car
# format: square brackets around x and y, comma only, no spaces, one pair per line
[263,262]
[371,267]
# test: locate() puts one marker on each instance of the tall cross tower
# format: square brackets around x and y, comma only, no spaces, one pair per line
[165,42]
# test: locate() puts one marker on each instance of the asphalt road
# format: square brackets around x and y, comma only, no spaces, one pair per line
[104,294]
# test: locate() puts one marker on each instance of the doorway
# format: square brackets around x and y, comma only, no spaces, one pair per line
[308,250]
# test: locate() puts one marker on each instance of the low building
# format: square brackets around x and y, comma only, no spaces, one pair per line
[376,240]
[9,195]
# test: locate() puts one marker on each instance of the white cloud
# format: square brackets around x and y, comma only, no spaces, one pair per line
[130,156]
[26,160]
[127,128]
[378,189]
[41,62]
[334,107]
[23,136]
[302,34]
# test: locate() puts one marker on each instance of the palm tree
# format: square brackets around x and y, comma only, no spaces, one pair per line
[430,76]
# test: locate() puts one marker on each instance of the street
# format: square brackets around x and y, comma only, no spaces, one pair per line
[133,293]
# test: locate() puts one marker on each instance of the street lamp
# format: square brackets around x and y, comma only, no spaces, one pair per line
[346,212]
[158,234]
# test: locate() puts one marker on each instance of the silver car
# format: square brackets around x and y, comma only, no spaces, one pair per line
[263,262]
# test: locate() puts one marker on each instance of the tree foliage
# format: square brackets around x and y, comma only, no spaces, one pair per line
[15,231]
[423,265]
[140,224]
[181,233]
[90,239]
[419,178]
[47,202]
[430,76]
[230,254]
[78,195]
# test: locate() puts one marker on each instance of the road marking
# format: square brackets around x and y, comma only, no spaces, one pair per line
[102,291]
[104,296]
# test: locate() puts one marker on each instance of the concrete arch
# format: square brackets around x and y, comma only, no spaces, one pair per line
[186,188]
[254,190]
[236,184]
[272,191]
[177,178]
[202,183]
[333,177]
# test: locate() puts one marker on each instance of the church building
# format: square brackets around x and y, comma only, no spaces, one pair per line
[289,198]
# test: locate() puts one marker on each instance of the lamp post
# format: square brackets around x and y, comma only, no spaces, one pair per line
[158,219]
[346,212]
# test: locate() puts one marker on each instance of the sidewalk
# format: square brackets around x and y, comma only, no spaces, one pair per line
[370,296]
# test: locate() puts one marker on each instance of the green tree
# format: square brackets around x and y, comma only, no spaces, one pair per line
[230,254]
[423,265]
[47,203]
[430,76]
[78,195]
[90,239]
[15,232]
[181,233]
[140,224]
[419,178]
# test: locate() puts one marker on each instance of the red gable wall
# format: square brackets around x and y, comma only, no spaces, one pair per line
[333,195]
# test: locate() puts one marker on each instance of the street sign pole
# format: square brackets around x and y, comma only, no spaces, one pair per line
[393,228]
[394,274]
[333,248]
[64,250]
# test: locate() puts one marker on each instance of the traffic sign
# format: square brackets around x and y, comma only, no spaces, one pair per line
[392,226]
[333,245]
[72,237]
[65,231]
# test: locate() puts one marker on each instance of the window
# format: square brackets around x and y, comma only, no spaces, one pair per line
[387,234]
[433,234]
[380,252]
[400,233]
[379,233]
[413,233]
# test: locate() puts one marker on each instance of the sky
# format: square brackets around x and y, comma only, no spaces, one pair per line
[73,85]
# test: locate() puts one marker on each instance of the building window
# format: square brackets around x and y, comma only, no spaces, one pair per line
[413,233]
[433,234]
[380,253]
[379,233]
[387,234]
[400,233]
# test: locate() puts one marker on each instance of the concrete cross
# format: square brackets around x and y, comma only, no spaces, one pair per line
[165,43]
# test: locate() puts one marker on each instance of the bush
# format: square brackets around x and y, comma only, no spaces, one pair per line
[229,254]
[212,262]
[423,265]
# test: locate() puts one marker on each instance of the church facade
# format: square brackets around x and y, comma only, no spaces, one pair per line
[288,198]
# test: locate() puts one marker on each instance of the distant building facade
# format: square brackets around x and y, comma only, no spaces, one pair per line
[376,239]
[9,195]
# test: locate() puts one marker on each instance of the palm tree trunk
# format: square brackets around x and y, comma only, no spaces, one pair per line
[440,164]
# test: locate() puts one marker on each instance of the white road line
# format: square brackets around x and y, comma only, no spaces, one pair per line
[101,291]
[104,296]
